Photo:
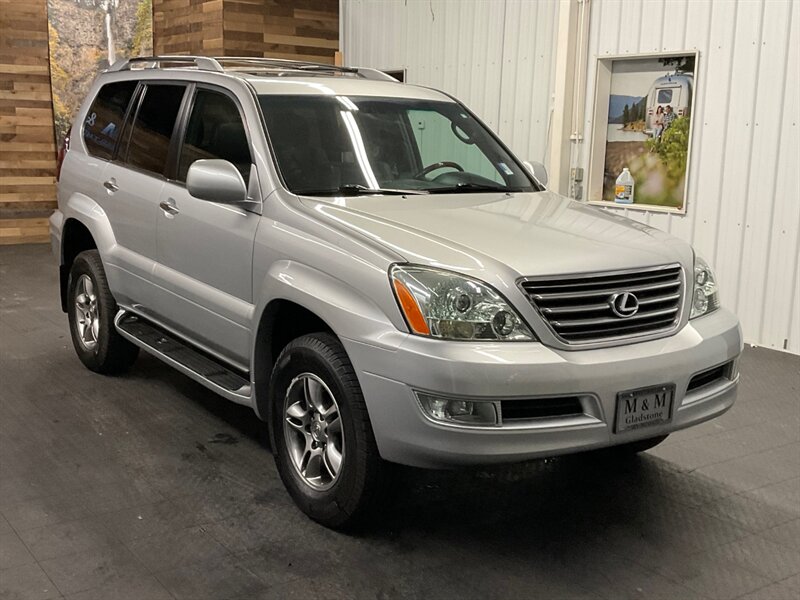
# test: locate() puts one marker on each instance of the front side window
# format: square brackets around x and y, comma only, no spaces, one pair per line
[104,119]
[215,130]
[326,145]
[152,130]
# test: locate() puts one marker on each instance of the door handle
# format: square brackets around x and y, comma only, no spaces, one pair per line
[111,185]
[168,206]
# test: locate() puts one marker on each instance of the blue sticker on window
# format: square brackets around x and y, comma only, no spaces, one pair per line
[504,168]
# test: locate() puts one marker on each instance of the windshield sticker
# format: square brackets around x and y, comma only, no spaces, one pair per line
[504,168]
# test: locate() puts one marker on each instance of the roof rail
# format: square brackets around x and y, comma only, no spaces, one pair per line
[234,62]
[203,63]
[251,63]
[246,64]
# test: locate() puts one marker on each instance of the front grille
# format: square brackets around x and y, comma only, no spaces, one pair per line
[540,408]
[578,308]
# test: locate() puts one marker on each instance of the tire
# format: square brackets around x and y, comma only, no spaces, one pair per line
[100,347]
[342,498]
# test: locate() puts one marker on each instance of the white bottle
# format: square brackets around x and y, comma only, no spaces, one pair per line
[623,191]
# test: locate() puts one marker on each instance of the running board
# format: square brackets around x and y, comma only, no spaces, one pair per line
[175,352]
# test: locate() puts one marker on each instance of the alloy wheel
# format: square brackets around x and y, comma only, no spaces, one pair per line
[313,431]
[87,315]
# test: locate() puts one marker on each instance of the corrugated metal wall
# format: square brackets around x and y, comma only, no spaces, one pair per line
[743,211]
[743,203]
[495,55]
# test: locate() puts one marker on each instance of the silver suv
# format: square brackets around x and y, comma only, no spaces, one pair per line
[367,266]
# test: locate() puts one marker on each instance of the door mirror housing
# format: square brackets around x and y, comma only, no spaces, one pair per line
[538,170]
[216,180]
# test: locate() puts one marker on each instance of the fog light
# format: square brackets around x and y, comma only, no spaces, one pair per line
[456,410]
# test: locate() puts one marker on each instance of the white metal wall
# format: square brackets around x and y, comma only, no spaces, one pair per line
[743,203]
[495,55]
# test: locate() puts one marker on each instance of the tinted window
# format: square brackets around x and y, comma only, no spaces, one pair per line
[104,119]
[215,130]
[155,120]
[664,96]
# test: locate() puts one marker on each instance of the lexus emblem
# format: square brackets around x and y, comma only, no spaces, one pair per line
[624,304]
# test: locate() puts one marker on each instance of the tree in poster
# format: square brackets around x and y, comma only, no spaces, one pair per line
[682,64]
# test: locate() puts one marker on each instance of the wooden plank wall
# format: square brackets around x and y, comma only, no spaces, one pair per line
[187,27]
[305,29]
[308,29]
[27,141]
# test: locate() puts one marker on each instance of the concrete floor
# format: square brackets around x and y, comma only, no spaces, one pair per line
[148,486]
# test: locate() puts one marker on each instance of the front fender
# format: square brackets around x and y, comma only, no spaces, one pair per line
[347,311]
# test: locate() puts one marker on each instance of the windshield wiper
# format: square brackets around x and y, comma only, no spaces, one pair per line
[356,189]
[469,187]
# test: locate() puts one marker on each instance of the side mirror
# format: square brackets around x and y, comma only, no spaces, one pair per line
[537,170]
[216,181]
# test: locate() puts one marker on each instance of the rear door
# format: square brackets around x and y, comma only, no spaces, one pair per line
[133,184]
[205,249]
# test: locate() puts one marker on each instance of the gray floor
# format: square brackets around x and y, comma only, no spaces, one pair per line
[148,487]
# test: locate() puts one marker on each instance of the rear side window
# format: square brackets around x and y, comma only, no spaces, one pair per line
[215,130]
[150,137]
[104,120]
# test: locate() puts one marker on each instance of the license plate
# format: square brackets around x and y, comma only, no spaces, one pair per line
[644,408]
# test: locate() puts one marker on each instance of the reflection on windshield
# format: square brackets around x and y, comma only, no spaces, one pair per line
[329,145]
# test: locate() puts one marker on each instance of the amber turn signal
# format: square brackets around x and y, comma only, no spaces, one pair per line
[410,309]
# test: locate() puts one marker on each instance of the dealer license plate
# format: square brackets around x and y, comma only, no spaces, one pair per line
[644,407]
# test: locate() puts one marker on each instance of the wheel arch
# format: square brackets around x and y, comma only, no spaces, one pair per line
[75,238]
[297,299]
[282,321]
[86,227]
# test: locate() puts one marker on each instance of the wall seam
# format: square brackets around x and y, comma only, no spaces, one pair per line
[775,169]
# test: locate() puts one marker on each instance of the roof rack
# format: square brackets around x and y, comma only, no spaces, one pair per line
[244,64]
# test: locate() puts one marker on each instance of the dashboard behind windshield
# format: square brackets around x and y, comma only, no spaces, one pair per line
[326,144]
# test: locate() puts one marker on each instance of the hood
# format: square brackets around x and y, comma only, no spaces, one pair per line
[537,233]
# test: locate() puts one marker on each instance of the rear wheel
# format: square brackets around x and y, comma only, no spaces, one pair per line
[91,309]
[324,446]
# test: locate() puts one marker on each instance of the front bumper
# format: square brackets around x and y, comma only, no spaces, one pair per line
[388,375]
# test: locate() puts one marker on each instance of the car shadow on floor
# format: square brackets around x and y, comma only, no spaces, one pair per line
[566,497]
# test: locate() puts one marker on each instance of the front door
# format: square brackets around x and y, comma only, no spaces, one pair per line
[205,249]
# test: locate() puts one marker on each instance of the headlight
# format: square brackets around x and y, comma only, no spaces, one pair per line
[450,306]
[705,294]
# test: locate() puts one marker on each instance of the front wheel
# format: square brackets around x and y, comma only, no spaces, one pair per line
[91,309]
[323,442]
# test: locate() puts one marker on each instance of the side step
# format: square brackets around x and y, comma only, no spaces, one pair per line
[192,362]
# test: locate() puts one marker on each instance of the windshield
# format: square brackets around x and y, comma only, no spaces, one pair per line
[328,145]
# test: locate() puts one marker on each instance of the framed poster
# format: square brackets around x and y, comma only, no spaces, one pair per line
[642,135]
[85,37]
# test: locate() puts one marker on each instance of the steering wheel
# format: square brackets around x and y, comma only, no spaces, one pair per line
[439,165]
